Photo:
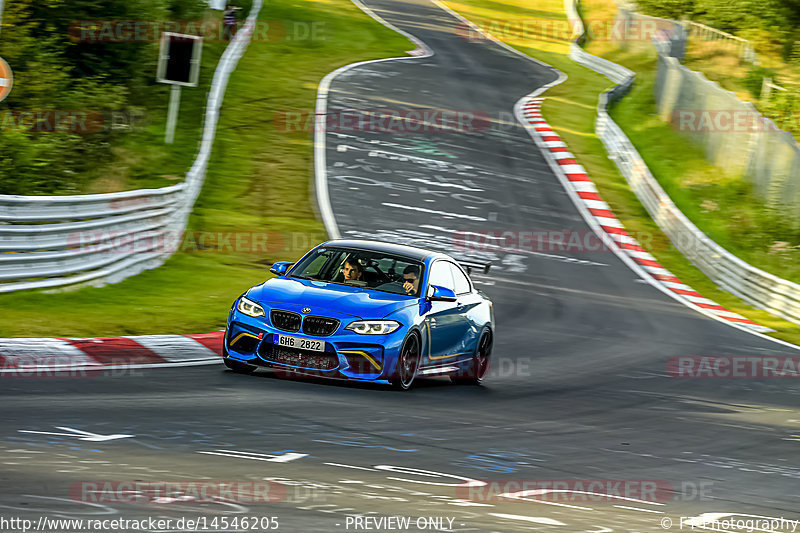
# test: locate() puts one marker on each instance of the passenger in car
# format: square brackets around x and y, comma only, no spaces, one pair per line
[352,269]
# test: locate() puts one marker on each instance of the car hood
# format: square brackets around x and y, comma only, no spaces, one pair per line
[333,298]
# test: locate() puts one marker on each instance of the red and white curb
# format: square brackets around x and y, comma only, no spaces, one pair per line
[69,354]
[582,188]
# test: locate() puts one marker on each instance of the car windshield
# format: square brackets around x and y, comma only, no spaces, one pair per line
[361,268]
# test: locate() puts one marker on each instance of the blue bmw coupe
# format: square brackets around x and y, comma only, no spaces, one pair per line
[366,311]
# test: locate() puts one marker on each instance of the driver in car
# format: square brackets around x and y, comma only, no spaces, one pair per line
[352,269]
[411,279]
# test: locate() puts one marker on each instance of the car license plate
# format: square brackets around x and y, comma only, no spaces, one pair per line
[299,343]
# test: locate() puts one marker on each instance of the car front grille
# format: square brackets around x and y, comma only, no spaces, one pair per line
[319,326]
[285,320]
[299,358]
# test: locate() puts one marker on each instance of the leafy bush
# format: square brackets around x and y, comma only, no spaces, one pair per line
[755,79]
[54,70]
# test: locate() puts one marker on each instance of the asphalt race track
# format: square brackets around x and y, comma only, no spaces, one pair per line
[579,388]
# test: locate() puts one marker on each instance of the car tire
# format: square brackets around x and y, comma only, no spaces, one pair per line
[479,366]
[407,364]
[239,368]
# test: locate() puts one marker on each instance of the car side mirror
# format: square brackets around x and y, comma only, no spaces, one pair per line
[280,268]
[441,294]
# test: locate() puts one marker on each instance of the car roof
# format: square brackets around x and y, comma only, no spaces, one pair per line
[384,247]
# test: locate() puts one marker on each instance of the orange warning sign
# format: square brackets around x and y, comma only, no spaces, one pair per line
[6,79]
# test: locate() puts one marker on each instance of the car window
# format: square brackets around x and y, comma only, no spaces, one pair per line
[376,270]
[460,279]
[442,275]
[317,264]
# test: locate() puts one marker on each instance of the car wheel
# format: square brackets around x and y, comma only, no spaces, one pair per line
[407,364]
[240,368]
[479,366]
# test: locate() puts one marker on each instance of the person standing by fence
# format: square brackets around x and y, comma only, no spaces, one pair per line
[229,20]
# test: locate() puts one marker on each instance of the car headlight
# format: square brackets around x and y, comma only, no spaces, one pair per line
[373,327]
[249,307]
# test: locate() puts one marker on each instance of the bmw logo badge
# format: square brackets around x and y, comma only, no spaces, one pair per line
[305,310]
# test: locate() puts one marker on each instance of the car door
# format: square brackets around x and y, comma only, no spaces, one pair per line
[446,323]
[468,301]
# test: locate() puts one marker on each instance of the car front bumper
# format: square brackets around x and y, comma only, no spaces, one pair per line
[346,355]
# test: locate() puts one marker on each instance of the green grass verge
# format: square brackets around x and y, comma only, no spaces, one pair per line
[570,108]
[140,159]
[258,181]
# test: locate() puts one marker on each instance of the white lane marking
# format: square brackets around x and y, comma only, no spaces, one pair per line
[465,233]
[372,152]
[433,211]
[545,502]
[639,509]
[350,466]
[320,163]
[272,458]
[440,184]
[174,348]
[534,519]
[462,481]
[80,434]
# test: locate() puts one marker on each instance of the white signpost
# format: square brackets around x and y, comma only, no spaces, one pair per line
[178,65]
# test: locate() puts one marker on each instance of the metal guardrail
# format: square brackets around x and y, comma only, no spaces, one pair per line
[755,286]
[743,47]
[55,241]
